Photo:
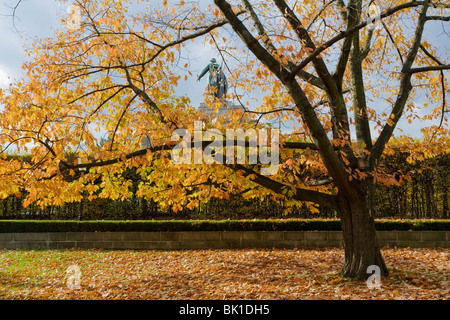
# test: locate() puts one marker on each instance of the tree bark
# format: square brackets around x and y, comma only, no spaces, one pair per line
[360,240]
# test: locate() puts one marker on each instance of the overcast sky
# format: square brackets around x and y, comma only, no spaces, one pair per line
[36,18]
[39,18]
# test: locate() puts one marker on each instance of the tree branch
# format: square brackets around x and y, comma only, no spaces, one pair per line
[352,18]
[349,32]
[362,127]
[402,97]
[393,42]
[268,44]
[430,55]
[339,116]
[303,36]
[145,97]
[325,148]
[259,51]
[442,85]
[280,188]
[120,120]
[430,68]
[436,18]
[316,183]
[366,47]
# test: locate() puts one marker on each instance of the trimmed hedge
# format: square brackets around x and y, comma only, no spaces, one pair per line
[19,226]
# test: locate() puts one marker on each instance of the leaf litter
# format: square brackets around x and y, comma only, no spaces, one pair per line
[418,274]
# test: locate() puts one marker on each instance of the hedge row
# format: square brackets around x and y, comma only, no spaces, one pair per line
[16,226]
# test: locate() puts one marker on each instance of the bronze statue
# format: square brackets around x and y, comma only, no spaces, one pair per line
[217,82]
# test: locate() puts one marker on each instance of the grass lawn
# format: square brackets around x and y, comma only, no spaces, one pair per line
[218,274]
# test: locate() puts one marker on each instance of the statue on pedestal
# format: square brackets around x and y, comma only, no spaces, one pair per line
[217,82]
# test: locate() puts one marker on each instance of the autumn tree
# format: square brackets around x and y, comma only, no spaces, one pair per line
[332,68]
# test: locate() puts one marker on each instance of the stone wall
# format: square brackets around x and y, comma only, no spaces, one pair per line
[212,239]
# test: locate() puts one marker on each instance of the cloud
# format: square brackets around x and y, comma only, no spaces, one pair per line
[4,78]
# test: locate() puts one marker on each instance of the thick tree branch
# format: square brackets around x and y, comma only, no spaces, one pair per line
[437,18]
[362,127]
[339,116]
[430,68]
[352,18]
[356,28]
[268,44]
[316,183]
[342,10]
[325,148]
[280,188]
[169,147]
[257,49]
[366,47]
[402,97]
[147,100]
[443,100]
[304,37]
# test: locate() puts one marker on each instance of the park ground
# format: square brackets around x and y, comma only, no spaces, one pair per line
[417,274]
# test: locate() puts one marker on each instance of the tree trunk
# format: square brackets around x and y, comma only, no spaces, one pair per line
[360,241]
[80,212]
[445,204]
